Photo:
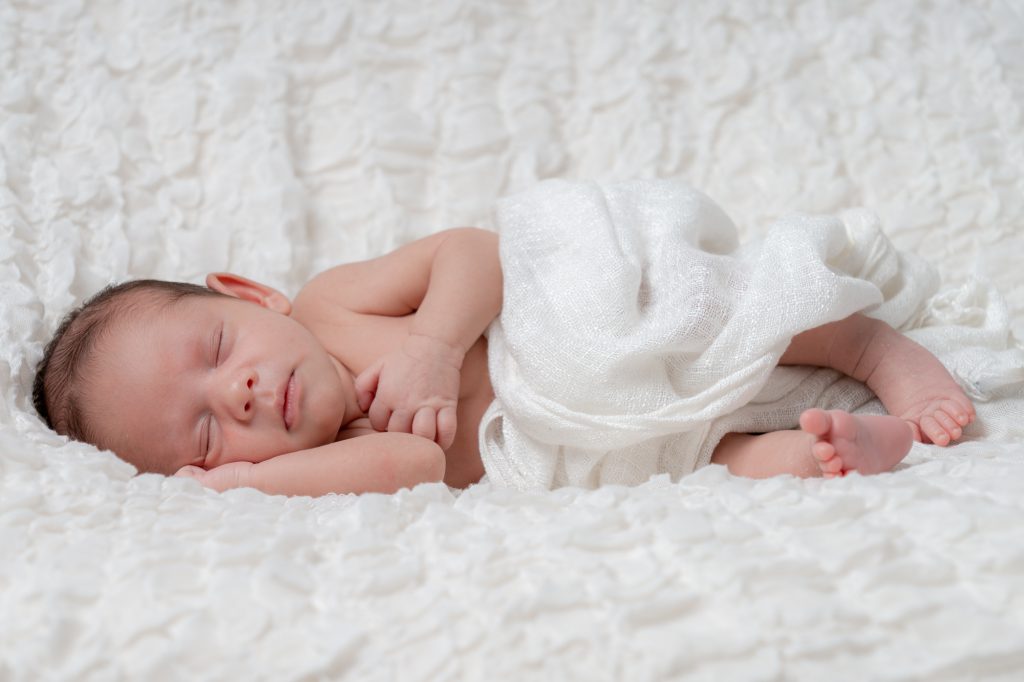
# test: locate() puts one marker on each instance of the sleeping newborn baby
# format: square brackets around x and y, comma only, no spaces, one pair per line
[378,376]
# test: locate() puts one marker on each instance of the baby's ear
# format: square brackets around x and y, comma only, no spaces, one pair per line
[248,290]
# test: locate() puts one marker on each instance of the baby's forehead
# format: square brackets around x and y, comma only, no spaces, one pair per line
[184,309]
[135,323]
[146,353]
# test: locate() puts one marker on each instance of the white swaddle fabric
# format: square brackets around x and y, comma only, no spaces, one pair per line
[635,328]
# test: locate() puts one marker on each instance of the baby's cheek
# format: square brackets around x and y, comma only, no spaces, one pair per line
[255,447]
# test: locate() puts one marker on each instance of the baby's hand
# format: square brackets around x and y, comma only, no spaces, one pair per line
[414,390]
[224,477]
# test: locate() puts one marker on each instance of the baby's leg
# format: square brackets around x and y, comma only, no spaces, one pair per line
[830,444]
[909,380]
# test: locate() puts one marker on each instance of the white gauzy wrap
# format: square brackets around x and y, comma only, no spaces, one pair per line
[636,331]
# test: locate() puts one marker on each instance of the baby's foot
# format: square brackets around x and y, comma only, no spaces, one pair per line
[913,385]
[846,442]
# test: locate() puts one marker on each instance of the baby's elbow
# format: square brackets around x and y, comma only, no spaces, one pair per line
[431,464]
[421,461]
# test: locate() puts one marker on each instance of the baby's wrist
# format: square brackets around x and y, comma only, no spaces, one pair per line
[421,345]
[243,475]
[228,476]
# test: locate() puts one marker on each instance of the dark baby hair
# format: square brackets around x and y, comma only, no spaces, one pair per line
[56,391]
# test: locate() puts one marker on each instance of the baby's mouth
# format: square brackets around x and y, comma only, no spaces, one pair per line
[288,403]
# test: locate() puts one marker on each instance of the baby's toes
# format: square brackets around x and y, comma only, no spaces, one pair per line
[828,460]
[961,413]
[949,424]
[933,431]
[916,429]
[815,421]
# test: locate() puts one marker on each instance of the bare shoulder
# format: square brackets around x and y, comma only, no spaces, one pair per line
[392,285]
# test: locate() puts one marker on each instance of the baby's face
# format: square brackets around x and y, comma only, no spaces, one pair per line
[212,380]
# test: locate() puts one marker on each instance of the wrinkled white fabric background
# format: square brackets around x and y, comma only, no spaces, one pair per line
[275,139]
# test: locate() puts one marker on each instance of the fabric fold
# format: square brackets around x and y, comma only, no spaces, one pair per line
[635,327]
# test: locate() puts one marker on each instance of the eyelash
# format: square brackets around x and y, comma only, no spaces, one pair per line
[220,342]
[208,429]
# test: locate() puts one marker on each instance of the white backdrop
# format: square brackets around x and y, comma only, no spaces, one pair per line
[172,138]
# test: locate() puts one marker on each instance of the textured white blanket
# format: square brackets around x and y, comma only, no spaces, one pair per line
[635,328]
[279,138]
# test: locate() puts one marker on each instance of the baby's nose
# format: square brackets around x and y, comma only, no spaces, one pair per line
[248,397]
[241,398]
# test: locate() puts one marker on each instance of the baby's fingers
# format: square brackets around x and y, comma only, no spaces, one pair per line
[190,472]
[447,422]
[400,422]
[366,384]
[425,423]
[380,415]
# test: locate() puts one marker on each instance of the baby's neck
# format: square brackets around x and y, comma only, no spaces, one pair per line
[348,382]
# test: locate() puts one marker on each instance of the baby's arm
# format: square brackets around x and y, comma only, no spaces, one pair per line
[463,296]
[451,283]
[464,291]
[379,462]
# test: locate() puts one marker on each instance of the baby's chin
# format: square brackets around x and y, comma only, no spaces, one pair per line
[318,430]
[328,432]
